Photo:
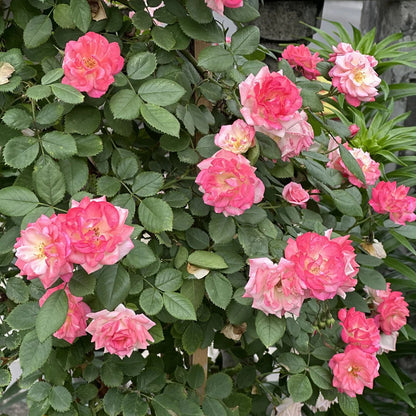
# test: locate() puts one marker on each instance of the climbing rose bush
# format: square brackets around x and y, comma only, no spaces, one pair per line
[187,231]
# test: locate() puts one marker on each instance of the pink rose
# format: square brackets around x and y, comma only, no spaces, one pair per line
[315,194]
[268,99]
[340,50]
[388,342]
[120,332]
[354,129]
[295,194]
[275,288]
[325,266]
[358,330]
[377,296]
[297,136]
[76,319]
[300,58]
[353,370]
[90,63]
[43,251]
[218,5]
[237,137]
[354,76]
[97,233]
[387,198]
[229,183]
[392,312]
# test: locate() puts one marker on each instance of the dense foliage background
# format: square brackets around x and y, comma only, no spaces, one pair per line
[139,145]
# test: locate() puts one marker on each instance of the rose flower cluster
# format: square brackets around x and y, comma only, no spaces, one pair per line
[91,234]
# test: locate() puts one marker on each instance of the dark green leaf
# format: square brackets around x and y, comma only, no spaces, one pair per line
[81,14]
[179,306]
[299,387]
[270,328]
[33,353]
[37,31]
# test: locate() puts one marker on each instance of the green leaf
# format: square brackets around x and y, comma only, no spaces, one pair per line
[81,14]
[59,145]
[219,386]
[299,387]
[33,353]
[270,328]
[17,290]
[113,402]
[209,32]
[39,391]
[113,285]
[49,114]
[194,290]
[52,315]
[243,14]
[160,119]
[140,256]
[52,76]
[125,105]
[389,369]
[199,11]
[216,58]
[372,278]
[17,118]
[62,15]
[141,65]
[400,267]
[151,301]
[82,283]
[49,180]
[16,201]
[155,215]
[351,163]
[111,374]
[161,91]
[8,239]
[83,120]
[89,145]
[38,92]
[246,40]
[86,392]
[147,183]
[75,171]
[268,147]
[192,338]
[108,185]
[134,405]
[5,377]
[23,316]
[168,280]
[213,407]
[179,306]
[292,362]
[67,93]
[221,229]
[163,38]
[207,260]
[196,376]
[20,152]
[60,398]
[321,377]
[37,31]
[346,203]
[349,405]
[219,289]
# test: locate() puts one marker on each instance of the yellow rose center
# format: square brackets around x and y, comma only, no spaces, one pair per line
[359,76]
[89,62]
[41,251]
[354,370]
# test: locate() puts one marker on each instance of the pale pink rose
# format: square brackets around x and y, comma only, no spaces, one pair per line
[369,167]
[392,312]
[387,198]
[268,99]
[229,183]
[353,370]
[297,136]
[237,137]
[340,50]
[326,266]
[315,194]
[388,342]
[288,408]
[354,129]
[218,5]
[43,251]
[120,332]
[90,64]
[76,318]
[275,288]
[295,194]
[358,330]
[98,233]
[322,404]
[377,295]
[301,59]
[354,76]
